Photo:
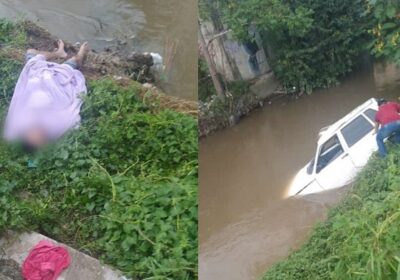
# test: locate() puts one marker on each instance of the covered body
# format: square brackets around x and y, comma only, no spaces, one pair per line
[47,97]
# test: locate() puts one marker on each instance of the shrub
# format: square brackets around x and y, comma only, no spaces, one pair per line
[311,43]
[386,32]
[11,34]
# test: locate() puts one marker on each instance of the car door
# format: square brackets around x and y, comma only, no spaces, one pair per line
[334,166]
[359,138]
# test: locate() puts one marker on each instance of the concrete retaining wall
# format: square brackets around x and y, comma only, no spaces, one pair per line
[235,60]
[83,267]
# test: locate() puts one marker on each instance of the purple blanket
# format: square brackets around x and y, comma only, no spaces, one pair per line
[47,96]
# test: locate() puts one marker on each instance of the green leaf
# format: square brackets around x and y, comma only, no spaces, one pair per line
[389,25]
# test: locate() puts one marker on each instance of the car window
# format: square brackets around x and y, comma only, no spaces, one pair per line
[330,150]
[370,113]
[310,167]
[356,130]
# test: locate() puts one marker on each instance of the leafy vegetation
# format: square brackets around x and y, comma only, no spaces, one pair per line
[206,88]
[360,238]
[205,84]
[312,43]
[10,34]
[387,29]
[123,187]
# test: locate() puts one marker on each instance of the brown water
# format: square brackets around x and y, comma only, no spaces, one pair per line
[246,222]
[151,26]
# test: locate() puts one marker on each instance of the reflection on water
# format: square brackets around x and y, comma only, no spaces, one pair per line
[167,27]
[246,221]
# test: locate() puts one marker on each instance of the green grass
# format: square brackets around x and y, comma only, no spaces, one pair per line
[123,187]
[11,35]
[361,237]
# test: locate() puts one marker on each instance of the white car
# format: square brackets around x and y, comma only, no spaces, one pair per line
[343,150]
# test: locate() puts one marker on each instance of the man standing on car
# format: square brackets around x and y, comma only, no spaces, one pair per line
[387,124]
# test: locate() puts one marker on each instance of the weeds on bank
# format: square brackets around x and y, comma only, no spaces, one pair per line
[11,35]
[123,187]
[361,237]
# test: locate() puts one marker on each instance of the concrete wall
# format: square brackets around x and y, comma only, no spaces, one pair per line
[386,74]
[234,59]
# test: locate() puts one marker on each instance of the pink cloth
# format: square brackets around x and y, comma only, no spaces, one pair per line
[47,96]
[46,261]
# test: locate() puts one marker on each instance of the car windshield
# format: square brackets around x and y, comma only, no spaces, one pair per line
[330,150]
[356,130]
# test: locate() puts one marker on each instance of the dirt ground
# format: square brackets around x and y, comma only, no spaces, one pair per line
[136,66]
[9,270]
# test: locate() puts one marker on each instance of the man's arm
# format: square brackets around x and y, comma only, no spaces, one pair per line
[376,127]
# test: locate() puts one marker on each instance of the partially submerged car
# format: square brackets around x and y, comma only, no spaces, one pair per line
[343,150]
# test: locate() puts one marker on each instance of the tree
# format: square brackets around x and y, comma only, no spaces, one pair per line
[386,30]
[210,63]
[313,42]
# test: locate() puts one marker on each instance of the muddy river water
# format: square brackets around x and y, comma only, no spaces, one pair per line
[167,27]
[246,222]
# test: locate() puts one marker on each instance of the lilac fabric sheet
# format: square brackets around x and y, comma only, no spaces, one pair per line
[47,96]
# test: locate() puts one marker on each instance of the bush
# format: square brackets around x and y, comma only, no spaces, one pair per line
[11,34]
[386,31]
[312,43]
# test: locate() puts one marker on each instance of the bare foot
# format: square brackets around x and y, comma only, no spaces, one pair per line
[83,50]
[61,51]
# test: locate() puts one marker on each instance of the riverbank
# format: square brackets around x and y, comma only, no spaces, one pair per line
[121,188]
[360,237]
[242,98]
[122,68]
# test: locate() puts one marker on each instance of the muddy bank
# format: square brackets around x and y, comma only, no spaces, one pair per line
[242,97]
[218,113]
[134,67]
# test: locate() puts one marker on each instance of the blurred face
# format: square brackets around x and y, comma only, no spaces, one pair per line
[36,138]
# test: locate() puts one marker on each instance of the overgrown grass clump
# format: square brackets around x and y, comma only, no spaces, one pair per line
[11,34]
[123,187]
[361,237]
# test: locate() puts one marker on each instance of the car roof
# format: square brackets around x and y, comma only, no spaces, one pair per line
[327,132]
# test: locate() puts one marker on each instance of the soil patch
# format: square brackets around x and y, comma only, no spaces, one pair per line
[10,270]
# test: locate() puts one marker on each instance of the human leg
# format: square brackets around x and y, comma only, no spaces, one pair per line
[380,141]
[385,132]
[77,61]
[59,53]
[396,138]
